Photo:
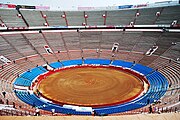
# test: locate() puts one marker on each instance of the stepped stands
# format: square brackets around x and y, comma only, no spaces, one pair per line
[56,65]
[72,62]
[22,82]
[147,16]
[50,58]
[97,61]
[172,12]
[122,17]
[31,74]
[29,98]
[24,63]
[158,87]
[95,17]
[11,19]
[75,54]
[90,54]
[122,63]
[75,18]
[55,40]
[15,46]
[37,102]
[54,18]
[158,63]
[37,60]
[63,55]
[42,69]
[142,69]
[26,78]
[8,74]
[171,72]
[33,18]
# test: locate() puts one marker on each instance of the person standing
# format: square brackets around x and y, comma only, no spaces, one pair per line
[4,93]
[150,109]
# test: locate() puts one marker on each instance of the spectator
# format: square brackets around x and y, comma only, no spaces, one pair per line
[175,109]
[4,94]
[33,105]
[150,109]
[53,111]
[1,101]
[38,93]
[37,112]
[14,106]
[148,101]
[169,60]
[7,101]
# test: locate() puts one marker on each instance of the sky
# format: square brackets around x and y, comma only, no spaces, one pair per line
[69,4]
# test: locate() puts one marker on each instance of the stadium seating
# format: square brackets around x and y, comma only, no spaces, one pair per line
[22,82]
[56,65]
[122,63]
[142,69]
[72,62]
[26,50]
[97,61]
[26,78]
[158,87]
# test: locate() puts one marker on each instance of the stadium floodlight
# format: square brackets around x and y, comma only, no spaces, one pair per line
[19,15]
[63,16]
[165,30]
[48,49]
[131,24]
[173,43]
[174,22]
[44,16]
[85,16]
[40,31]
[2,25]
[83,24]
[137,14]
[104,15]
[45,24]
[158,13]
[115,47]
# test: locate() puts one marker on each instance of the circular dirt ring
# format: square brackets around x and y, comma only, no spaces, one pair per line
[90,86]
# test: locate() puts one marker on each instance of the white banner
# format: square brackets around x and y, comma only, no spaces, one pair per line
[5,60]
[48,49]
[151,50]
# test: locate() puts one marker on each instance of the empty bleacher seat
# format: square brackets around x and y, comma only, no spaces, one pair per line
[97,61]
[142,69]
[56,65]
[122,63]
[33,73]
[72,62]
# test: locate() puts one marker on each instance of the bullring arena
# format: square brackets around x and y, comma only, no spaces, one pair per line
[83,86]
[91,64]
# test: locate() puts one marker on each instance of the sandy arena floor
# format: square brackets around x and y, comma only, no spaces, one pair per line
[90,86]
